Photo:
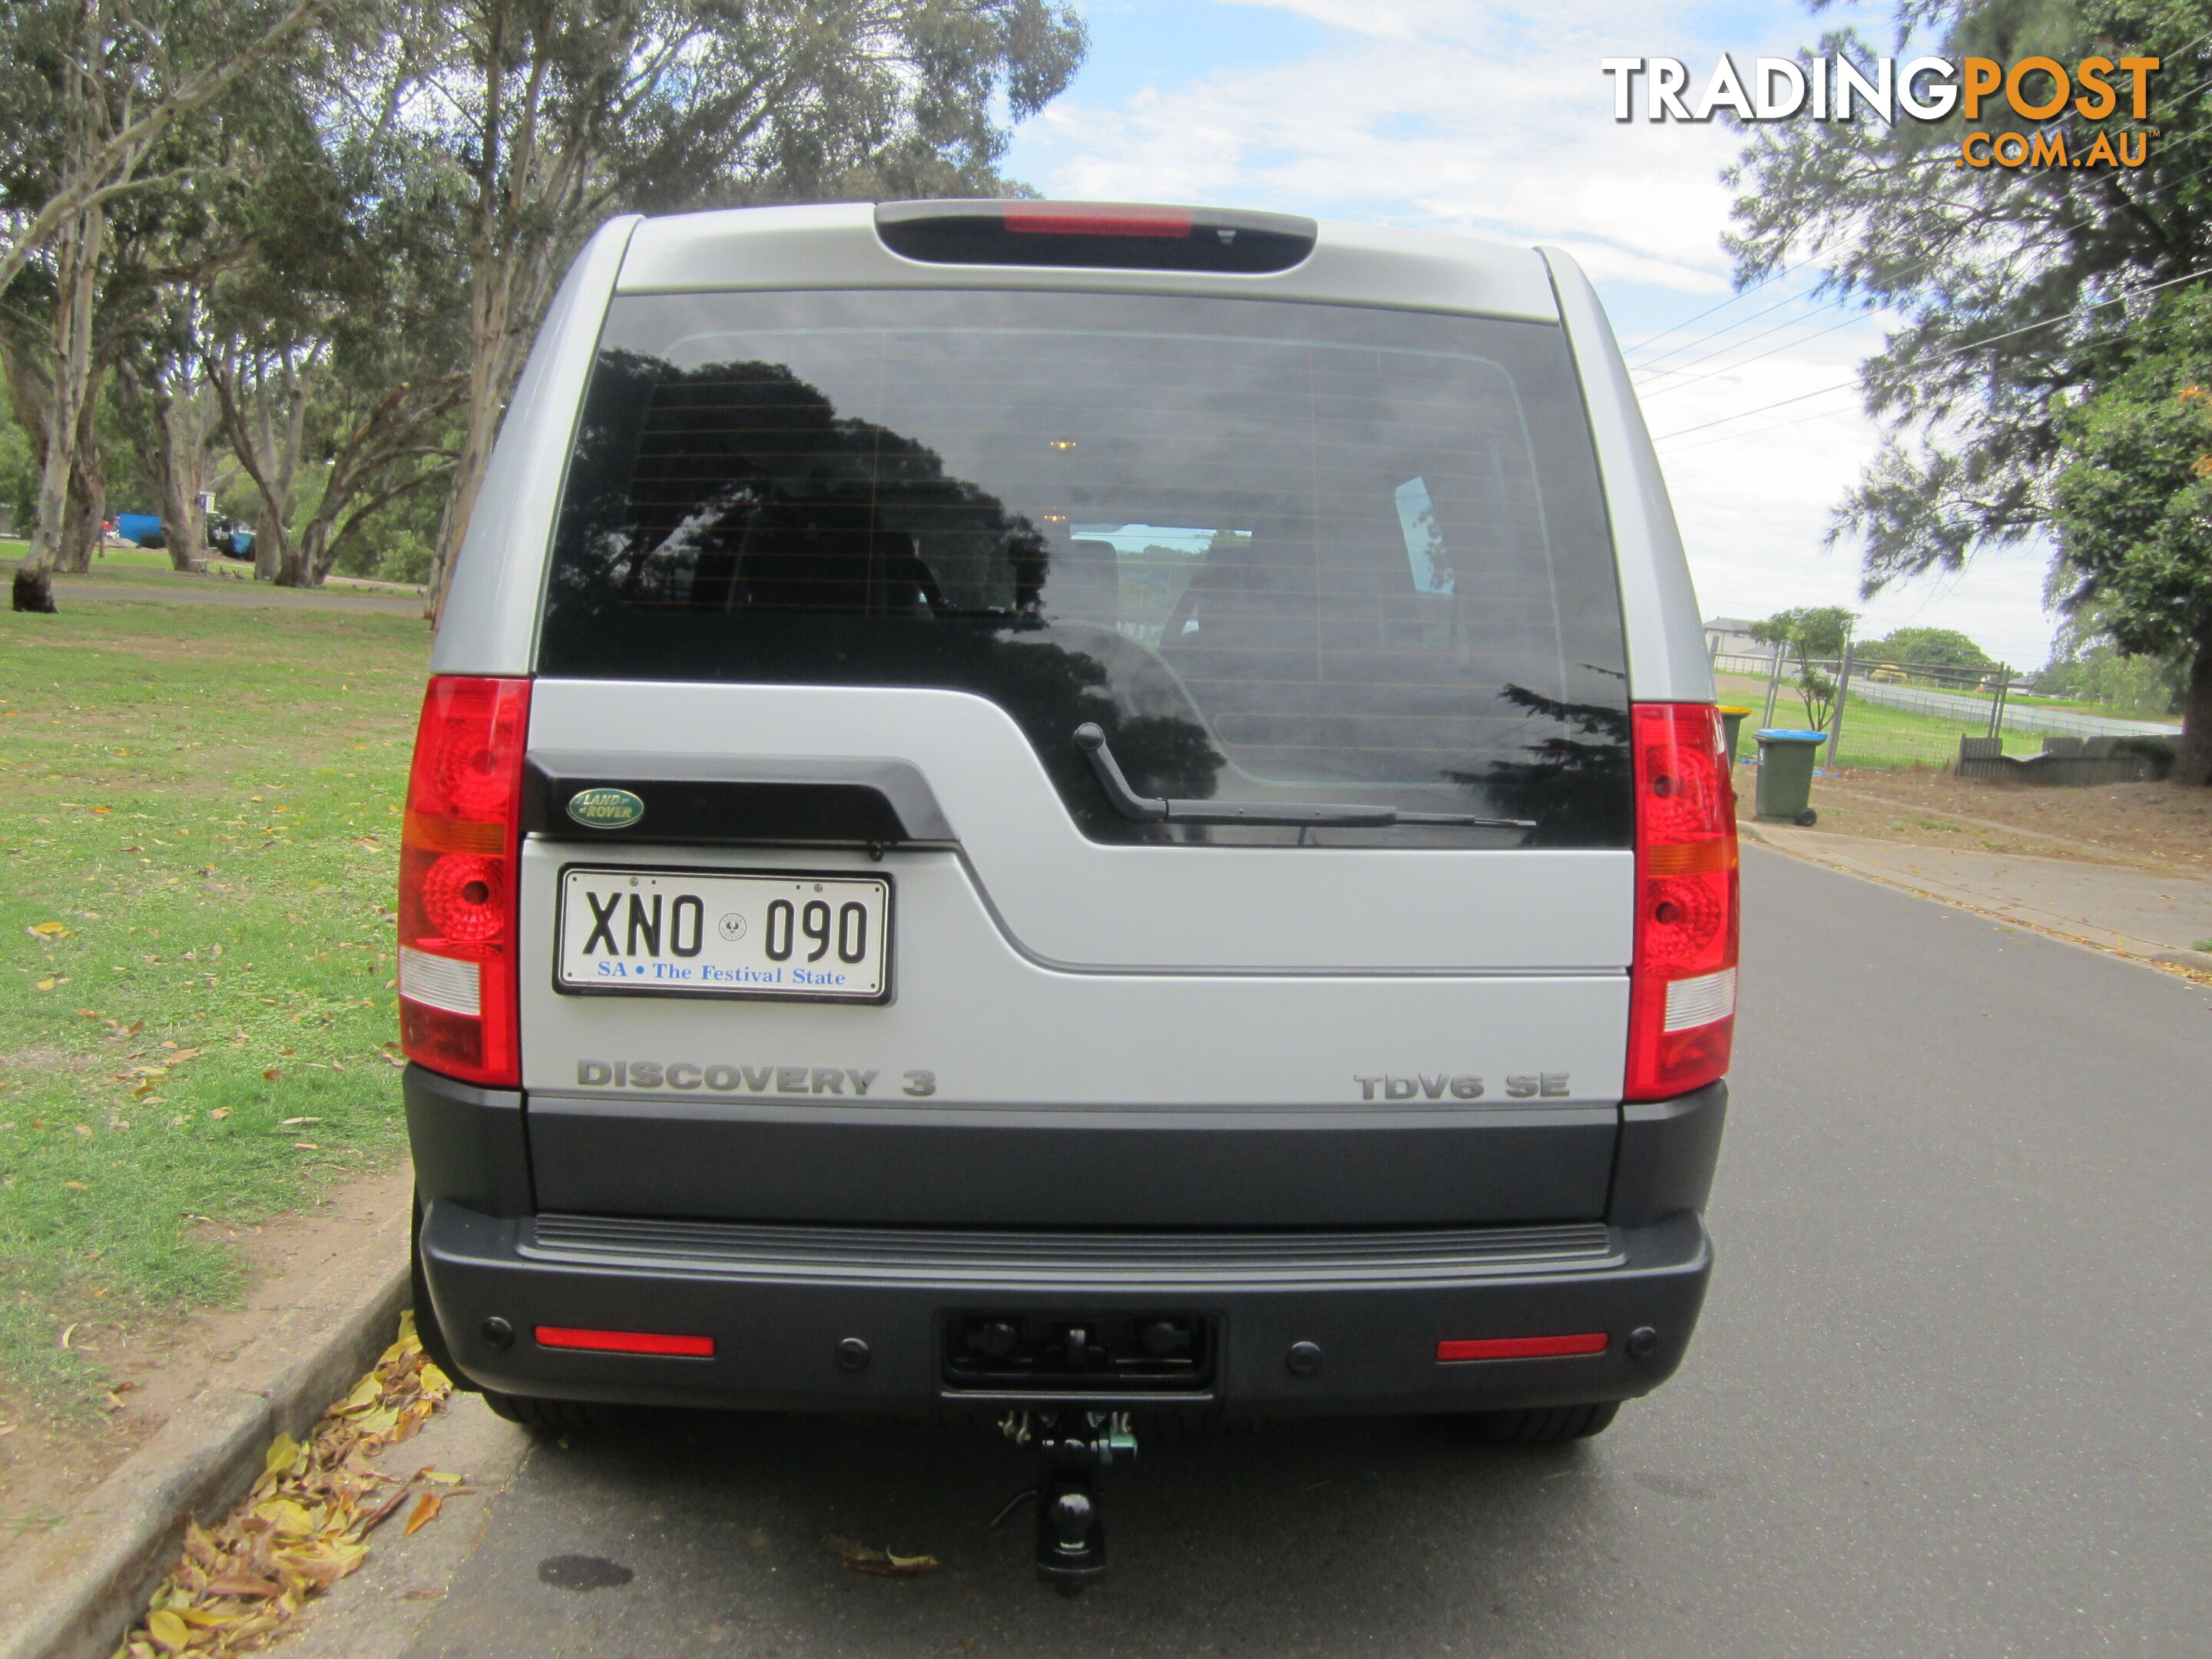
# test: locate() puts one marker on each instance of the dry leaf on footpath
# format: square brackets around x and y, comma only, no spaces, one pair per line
[304,1525]
[879,1564]
[425,1513]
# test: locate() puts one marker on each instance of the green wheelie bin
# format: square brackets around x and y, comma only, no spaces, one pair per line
[1785,774]
[1732,720]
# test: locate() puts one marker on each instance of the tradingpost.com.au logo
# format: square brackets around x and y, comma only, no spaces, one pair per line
[1833,89]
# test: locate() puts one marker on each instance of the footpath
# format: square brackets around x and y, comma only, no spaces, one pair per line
[2152,916]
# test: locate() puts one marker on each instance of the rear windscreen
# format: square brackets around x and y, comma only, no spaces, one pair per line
[1280,555]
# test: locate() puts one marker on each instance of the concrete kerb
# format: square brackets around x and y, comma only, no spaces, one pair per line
[76,1595]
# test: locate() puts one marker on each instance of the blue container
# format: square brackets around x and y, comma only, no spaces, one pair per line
[143,528]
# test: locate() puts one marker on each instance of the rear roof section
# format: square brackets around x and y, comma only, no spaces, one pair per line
[836,246]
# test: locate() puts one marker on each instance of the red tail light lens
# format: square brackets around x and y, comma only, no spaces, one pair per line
[1681,992]
[458,1010]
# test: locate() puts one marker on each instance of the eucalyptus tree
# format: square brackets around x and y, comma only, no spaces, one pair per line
[93,90]
[2132,508]
[339,352]
[2022,290]
[554,114]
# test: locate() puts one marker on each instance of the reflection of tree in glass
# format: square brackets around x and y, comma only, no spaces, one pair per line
[727,519]
[746,490]
[1576,785]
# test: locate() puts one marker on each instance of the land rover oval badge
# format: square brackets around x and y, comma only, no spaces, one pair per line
[605,809]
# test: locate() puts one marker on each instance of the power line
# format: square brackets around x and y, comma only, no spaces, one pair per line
[1648,365]
[1746,362]
[1690,345]
[1940,357]
[1788,344]
[1740,293]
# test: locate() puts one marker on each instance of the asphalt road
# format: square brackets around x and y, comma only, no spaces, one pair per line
[1948,1398]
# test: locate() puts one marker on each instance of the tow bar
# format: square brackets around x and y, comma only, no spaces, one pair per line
[1072,1445]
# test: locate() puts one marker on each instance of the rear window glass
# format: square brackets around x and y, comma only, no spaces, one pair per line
[1280,554]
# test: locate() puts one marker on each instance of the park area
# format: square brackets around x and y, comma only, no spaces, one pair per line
[199,811]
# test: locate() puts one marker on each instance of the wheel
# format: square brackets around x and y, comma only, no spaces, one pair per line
[1808,819]
[548,1416]
[1545,1426]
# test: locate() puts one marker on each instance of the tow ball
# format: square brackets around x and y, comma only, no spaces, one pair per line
[1072,1445]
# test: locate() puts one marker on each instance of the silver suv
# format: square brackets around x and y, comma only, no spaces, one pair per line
[1074,813]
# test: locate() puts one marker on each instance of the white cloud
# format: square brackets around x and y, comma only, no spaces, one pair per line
[1458,130]
[1494,120]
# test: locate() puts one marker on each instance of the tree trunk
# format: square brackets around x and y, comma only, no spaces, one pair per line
[490,380]
[76,266]
[83,523]
[2192,761]
[181,433]
[170,425]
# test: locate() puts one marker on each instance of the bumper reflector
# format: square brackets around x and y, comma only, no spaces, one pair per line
[1523,1347]
[654,1342]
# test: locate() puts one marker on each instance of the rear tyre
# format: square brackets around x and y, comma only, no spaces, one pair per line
[1808,819]
[548,1416]
[1545,1426]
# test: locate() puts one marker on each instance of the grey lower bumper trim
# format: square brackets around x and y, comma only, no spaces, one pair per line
[1008,1260]
[782,1303]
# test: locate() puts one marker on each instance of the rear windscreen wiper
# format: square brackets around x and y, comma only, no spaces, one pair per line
[1146,810]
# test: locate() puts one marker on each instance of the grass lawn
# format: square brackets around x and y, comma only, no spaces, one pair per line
[199,813]
[1874,735]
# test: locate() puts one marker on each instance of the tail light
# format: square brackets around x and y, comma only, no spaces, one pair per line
[1681,987]
[458,890]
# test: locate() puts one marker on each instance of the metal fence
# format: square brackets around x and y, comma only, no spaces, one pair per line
[1879,713]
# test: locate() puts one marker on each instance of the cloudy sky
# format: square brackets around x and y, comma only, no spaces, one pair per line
[1491,118]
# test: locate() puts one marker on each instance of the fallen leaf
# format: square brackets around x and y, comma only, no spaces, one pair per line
[272,1074]
[242,1583]
[219,1113]
[67,1332]
[48,930]
[288,1122]
[443,1477]
[880,1563]
[425,1513]
[165,1627]
[47,984]
[76,1186]
[305,1147]
[283,1452]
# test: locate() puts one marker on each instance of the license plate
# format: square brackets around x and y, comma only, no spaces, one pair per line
[697,932]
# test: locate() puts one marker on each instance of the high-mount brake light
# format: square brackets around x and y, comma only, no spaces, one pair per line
[1095,236]
[1681,989]
[458,1003]
[1050,219]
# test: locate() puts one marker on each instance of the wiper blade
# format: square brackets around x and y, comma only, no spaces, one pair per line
[1146,808]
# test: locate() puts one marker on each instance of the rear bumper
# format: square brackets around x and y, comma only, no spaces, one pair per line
[779,1302]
